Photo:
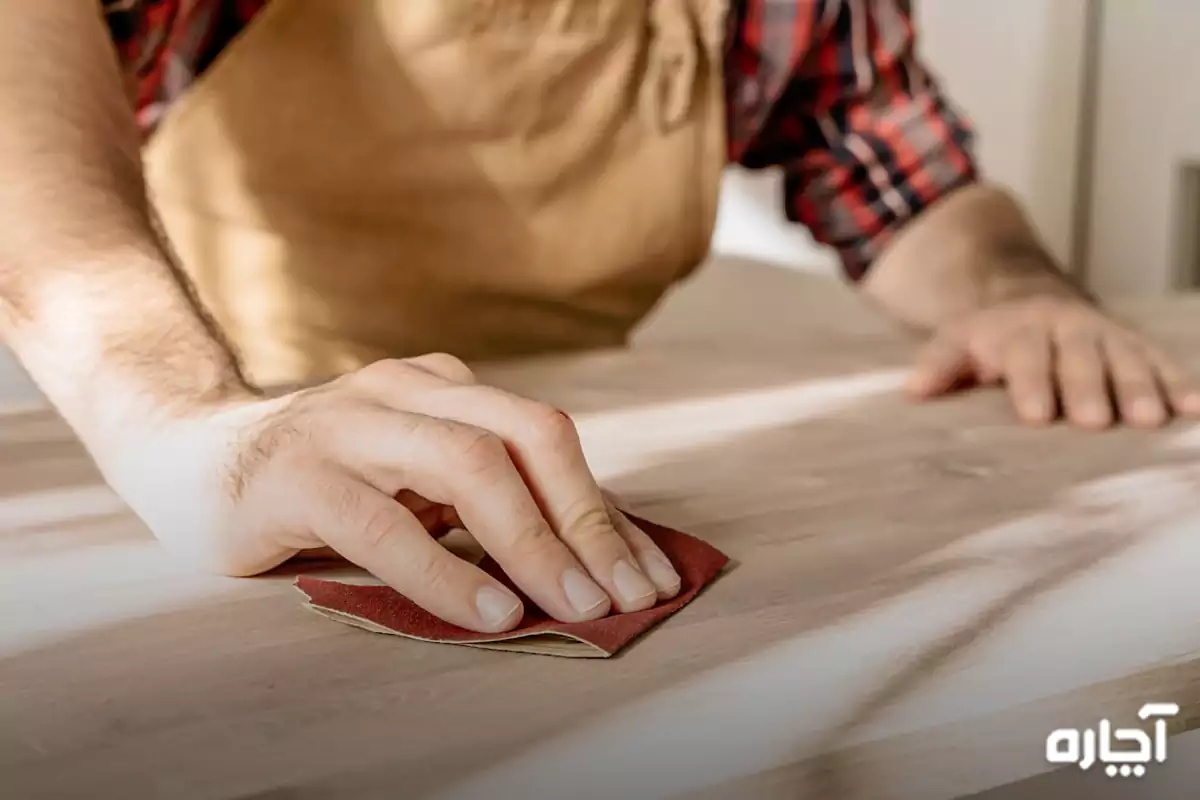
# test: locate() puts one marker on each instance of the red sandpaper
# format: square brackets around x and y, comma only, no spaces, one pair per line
[384,610]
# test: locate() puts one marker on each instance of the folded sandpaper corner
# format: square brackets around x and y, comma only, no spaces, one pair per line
[382,609]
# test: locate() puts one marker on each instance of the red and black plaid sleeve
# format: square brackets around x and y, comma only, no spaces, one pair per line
[833,92]
[165,44]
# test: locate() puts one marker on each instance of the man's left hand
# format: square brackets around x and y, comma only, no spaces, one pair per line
[1058,355]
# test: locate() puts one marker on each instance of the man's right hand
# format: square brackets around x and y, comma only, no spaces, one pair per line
[110,329]
[245,487]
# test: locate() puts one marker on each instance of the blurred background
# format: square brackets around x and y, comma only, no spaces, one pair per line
[1088,109]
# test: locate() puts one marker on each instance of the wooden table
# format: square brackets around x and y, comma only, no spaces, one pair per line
[922,593]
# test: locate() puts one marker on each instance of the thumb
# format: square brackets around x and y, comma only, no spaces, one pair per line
[942,365]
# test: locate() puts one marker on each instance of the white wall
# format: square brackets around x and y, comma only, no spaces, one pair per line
[1147,129]
[750,223]
[1016,68]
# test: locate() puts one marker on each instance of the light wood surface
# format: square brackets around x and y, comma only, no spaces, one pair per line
[921,594]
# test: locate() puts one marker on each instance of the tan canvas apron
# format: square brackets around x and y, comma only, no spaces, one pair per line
[364,179]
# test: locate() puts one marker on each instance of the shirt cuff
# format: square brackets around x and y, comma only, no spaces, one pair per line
[888,160]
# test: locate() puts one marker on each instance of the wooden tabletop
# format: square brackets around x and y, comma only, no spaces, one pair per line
[921,594]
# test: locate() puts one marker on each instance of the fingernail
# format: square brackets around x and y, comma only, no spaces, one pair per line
[659,570]
[582,592]
[496,607]
[631,584]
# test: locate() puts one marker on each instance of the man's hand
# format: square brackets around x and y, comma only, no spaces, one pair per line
[1058,354]
[971,273]
[375,465]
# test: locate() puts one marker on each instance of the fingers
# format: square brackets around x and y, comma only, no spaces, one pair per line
[1061,355]
[459,465]
[377,533]
[435,517]
[1182,389]
[1136,388]
[941,365]
[1028,373]
[653,561]
[1100,373]
[1083,381]
[546,449]
[650,558]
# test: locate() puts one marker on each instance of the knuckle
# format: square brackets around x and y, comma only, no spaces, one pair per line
[434,574]
[378,527]
[591,529]
[386,372]
[548,426]
[478,450]
[371,526]
[534,539]
[444,365]
[387,367]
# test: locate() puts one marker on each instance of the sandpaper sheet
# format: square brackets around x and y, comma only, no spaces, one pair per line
[382,609]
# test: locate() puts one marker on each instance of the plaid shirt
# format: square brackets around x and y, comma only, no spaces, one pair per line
[831,91]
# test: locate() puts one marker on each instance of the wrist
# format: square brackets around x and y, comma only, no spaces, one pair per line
[1020,269]
[129,414]
[152,450]
[183,475]
[115,408]
[971,250]
[112,372]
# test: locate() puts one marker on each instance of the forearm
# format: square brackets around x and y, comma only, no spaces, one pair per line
[972,249]
[88,300]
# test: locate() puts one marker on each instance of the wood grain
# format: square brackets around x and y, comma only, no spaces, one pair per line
[921,594]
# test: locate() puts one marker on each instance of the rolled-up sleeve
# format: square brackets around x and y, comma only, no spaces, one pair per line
[865,135]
